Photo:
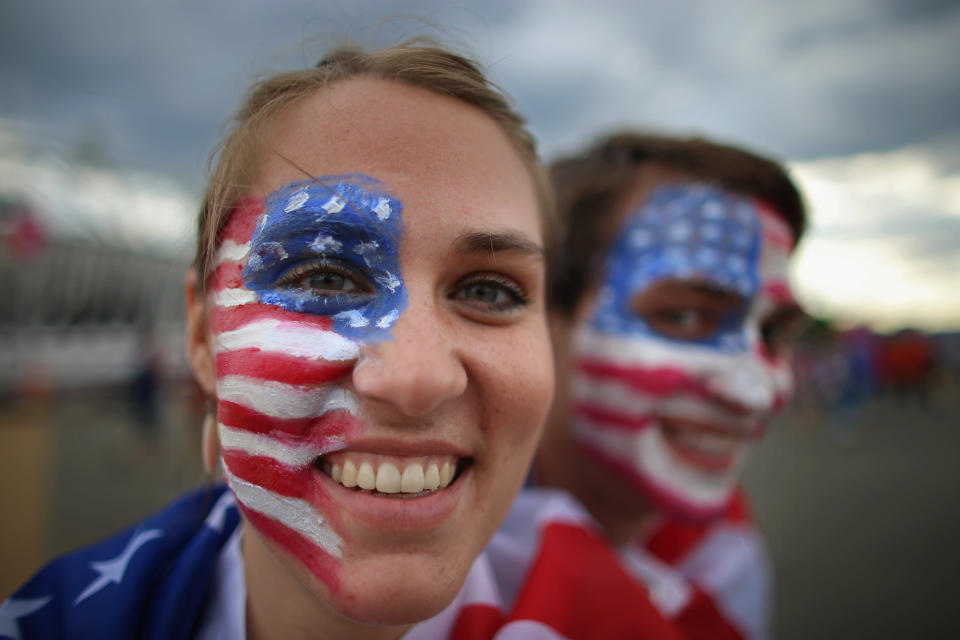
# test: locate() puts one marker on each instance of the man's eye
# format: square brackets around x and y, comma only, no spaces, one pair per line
[684,324]
[685,319]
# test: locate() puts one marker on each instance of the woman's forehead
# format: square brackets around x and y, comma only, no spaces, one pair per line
[448,163]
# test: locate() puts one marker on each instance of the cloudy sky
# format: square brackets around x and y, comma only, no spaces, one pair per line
[859,97]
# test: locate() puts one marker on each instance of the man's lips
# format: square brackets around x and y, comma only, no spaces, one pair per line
[706,446]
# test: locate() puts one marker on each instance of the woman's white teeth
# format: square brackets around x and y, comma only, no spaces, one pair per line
[412,480]
[431,479]
[366,478]
[416,477]
[349,476]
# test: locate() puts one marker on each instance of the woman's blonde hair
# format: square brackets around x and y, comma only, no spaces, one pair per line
[418,63]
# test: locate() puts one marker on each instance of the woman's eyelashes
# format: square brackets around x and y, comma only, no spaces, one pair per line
[490,294]
[328,277]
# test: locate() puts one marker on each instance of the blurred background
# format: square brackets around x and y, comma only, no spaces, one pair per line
[109,109]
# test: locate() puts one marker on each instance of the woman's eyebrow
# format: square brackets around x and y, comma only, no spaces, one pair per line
[497,241]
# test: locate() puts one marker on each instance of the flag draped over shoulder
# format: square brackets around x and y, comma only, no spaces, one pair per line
[150,581]
[547,574]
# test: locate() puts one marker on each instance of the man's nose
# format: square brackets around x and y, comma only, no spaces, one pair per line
[746,385]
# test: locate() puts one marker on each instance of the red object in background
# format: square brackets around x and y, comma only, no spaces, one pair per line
[27,236]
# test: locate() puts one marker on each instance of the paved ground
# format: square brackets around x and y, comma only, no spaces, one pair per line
[861,520]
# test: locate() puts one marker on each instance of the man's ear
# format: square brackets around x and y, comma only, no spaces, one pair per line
[198,347]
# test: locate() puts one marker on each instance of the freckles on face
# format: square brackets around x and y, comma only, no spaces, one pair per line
[669,383]
[302,279]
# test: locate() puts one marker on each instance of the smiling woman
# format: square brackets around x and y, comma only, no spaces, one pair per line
[380,376]
[366,312]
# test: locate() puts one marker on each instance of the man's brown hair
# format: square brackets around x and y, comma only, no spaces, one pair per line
[589,188]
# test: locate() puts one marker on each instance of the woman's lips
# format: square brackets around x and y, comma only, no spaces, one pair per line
[393,476]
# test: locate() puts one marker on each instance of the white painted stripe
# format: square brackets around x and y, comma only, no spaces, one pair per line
[647,450]
[652,352]
[616,395]
[233,297]
[256,444]
[285,401]
[295,513]
[231,251]
[290,338]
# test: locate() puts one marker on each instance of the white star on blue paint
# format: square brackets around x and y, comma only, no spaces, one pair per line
[387,321]
[389,281]
[324,243]
[334,205]
[13,609]
[113,570]
[383,209]
[353,317]
[296,201]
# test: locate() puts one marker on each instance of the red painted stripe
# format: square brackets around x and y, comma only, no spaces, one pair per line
[280,367]
[660,381]
[661,498]
[777,232]
[243,219]
[235,415]
[577,586]
[227,275]
[612,419]
[779,291]
[320,563]
[222,319]
[477,621]
[268,473]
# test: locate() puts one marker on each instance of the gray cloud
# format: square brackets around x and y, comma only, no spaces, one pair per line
[156,80]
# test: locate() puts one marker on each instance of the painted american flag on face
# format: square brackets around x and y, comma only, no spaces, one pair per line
[301,280]
[674,415]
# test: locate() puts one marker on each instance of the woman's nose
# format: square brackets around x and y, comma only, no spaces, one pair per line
[418,369]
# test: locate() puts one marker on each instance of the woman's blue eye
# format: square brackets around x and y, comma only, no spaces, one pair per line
[325,278]
[490,294]
[486,293]
[329,281]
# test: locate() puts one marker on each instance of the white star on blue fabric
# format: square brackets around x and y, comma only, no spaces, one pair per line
[113,570]
[13,609]
[218,514]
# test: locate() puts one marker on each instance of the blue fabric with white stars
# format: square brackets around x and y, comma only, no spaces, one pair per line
[682,231]
[148,582]
[350,220]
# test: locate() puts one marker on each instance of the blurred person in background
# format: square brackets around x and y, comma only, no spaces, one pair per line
[367,315]
[673,319]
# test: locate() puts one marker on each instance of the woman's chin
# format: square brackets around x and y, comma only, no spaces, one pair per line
[397,590]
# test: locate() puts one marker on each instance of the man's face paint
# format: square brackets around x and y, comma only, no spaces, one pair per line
[302,279]
[672,378]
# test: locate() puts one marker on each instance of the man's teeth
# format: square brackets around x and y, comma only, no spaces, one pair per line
[707,442]
[387,478]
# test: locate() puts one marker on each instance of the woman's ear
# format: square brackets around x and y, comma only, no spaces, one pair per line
[198,346]
[210,443]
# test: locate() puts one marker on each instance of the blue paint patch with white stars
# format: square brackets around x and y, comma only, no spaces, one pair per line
[682,231]
[348,220]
